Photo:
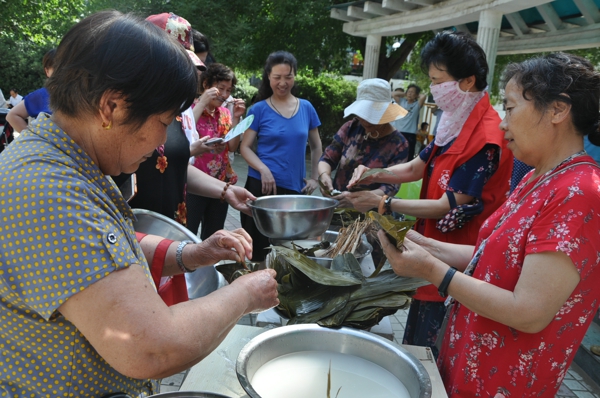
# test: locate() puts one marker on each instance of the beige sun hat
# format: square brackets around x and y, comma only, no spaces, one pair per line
[374,103]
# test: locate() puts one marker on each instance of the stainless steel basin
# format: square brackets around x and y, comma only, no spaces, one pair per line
[292,216]
[290,339]
[203,281]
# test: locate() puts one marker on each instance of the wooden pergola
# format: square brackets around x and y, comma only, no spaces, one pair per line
[499,26]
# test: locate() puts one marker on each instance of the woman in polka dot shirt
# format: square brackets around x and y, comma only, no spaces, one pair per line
[79,312]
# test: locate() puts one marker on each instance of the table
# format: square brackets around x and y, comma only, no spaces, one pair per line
[216,373]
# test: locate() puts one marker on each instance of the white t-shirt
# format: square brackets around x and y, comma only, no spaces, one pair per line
[188,123]
[15,100]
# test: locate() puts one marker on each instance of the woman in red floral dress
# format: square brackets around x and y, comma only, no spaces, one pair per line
[528,290]
[215,121]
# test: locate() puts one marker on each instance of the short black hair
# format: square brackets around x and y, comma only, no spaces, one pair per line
[110,51]
[561,77]
[458,54]
[216,73]
[424,124]
[201,43]
[275,58]
[48,60]
[417,88]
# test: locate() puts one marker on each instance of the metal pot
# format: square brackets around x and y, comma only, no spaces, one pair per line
[292,216]
[362,251]
[290,339]
[189,394]
[204,280]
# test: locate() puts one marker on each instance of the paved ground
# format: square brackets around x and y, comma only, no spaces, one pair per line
[576,384]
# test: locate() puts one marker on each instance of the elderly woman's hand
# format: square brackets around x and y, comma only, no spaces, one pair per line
[207,96]
[343,200]
[237,198]
[358,172]
[262,290]
[199,146]
[233,245]
[363,201]
[310,187]
[412,261]
[325,179]
[239,108]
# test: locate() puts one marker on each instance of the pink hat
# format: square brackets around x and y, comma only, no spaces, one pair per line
[197,61]
[177,27]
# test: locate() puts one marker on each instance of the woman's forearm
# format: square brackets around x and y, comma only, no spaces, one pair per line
[200,183]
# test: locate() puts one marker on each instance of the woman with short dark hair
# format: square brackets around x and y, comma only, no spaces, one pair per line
[214,122]
[78,303]
[35,102]
[528,290]
[465,170]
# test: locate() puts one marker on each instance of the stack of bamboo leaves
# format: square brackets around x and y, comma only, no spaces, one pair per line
[340,296]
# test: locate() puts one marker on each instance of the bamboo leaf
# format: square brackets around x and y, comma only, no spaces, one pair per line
[314,271]
[396,230]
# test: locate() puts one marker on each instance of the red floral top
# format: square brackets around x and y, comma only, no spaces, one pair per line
[216,126]
[480,357]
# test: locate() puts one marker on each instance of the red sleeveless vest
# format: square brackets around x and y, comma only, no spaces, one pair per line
[481,128]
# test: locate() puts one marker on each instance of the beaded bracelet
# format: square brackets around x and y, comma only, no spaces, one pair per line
[179,256]
[224,190]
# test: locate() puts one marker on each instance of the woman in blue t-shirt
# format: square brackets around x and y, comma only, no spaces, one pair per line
[34,103]
[282,125]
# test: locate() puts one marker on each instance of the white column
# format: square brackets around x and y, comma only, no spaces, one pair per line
[371,56]
[487,37]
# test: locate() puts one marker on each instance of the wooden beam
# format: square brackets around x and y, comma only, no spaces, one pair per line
[518,24]
[423,2]
[358,13]
[589,10]
[563,40]
[550,17]
[398,5]
[376,8]
[342,15]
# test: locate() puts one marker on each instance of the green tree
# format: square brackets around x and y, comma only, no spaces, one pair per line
[27,30]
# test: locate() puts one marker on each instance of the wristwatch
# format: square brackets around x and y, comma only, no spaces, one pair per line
[387,204]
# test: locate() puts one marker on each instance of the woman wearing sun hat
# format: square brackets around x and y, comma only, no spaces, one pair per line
[466,171]
[368,139]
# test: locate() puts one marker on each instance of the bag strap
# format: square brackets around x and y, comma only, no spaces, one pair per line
[451,199]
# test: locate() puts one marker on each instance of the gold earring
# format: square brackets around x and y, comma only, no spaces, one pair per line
[107,126]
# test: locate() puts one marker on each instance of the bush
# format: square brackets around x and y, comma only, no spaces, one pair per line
[21,67]
[330,95]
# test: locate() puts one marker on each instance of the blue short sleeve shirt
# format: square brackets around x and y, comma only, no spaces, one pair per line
[282,142]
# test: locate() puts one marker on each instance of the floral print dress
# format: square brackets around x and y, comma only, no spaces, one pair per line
[350,148]
[215,126]
[482,358]
[161,179]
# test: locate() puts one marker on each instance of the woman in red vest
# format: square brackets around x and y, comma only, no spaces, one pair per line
[466,170]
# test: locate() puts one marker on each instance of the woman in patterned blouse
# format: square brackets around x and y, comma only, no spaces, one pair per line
[528,290]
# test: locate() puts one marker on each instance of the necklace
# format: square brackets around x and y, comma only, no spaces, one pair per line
[372,135]
[277,110]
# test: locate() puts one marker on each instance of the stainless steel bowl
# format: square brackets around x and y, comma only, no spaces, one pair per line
[289,339]
[362,251]
[189,394]
[292,216]
[204,280]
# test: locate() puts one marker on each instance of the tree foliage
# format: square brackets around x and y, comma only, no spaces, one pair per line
[29,28]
